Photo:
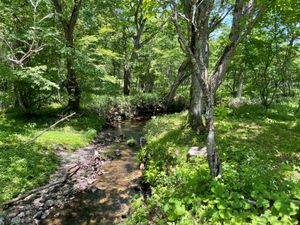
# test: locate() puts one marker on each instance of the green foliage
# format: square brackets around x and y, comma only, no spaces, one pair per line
[126,106]
[259,151]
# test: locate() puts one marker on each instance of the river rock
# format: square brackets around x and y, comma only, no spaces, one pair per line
[37,203]
[13,214]
[21,214]
[49,203]
[38,215]
[16,220]
[66,190]
[28,220]
[45,214]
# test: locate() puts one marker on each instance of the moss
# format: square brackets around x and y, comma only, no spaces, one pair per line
[131,142]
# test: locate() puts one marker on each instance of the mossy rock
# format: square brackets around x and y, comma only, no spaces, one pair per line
[131,142]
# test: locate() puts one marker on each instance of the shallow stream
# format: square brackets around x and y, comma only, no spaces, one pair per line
[108,200]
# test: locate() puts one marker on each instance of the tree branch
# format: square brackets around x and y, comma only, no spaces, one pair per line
[52,126]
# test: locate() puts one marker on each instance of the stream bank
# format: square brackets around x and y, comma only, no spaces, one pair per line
[105,177]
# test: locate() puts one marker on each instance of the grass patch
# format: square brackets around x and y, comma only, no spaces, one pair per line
[260,153]
[23,167]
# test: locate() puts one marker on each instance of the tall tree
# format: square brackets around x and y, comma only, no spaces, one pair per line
[68,25]
[244,16]
[140,31]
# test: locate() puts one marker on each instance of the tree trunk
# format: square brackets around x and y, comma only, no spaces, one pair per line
[127,77]
[197,106]
[72,86]
[71,82]
[212,153]
[19,99]
[181,77]
[240,86]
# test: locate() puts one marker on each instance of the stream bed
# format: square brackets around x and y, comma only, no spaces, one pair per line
[107,201]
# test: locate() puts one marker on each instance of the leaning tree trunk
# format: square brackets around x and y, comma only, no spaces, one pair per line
[181,77]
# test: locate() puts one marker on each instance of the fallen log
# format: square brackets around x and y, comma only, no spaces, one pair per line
[71,171]
[52,126]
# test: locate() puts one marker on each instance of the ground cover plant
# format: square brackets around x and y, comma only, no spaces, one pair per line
[260,153]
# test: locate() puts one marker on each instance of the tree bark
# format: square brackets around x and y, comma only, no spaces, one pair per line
[212,153]
[197,106]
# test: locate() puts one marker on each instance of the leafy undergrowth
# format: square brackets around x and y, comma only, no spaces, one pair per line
[24,166]
[260,153]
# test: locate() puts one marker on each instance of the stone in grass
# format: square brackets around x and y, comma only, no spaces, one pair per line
[196,151]
[131,142]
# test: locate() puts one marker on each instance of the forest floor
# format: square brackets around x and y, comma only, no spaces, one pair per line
[260,153]
[259,149]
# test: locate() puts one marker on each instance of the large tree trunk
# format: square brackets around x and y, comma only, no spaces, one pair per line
[199,47]
[71,82]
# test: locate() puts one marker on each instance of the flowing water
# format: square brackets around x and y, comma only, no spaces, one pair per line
[108,201]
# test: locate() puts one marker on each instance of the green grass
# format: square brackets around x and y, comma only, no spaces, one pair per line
[24,166]
[260,153]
